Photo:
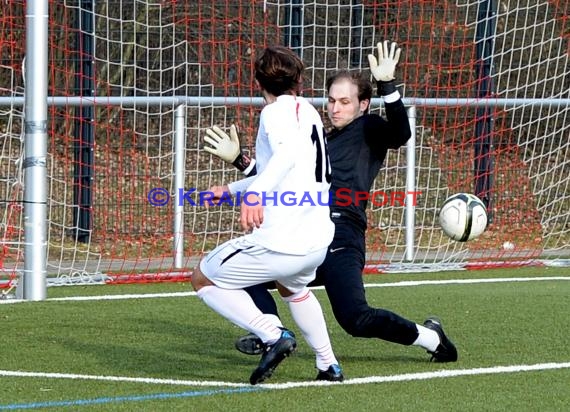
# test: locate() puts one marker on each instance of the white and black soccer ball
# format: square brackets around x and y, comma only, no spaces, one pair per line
[463,217]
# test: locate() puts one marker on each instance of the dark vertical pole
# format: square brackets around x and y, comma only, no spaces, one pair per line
[483,146]
[294,23]
[84,136]
[356,28]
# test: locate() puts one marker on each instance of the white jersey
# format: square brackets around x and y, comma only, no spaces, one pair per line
[293,178]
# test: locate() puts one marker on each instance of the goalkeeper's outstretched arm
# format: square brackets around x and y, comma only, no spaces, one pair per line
[397,126]
[228,149]
[383,69]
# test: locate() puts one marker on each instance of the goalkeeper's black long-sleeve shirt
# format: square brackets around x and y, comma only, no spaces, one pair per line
[357,152]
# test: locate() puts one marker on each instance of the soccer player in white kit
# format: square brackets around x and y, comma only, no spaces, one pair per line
[287,242]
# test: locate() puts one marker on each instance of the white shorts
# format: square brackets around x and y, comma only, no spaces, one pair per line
[238,263]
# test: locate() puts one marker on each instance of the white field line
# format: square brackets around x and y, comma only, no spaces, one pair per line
[404,283]
[157,381]
[287,385]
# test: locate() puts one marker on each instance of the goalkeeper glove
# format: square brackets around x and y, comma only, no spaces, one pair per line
[228,148]
[383,69]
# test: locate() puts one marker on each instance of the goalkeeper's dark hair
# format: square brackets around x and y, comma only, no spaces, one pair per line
[361,81]
[279,70]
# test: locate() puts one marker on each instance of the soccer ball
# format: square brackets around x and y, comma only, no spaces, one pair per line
[463,217]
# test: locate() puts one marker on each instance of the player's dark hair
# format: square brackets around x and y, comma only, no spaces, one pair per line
[279,70]
[361,81]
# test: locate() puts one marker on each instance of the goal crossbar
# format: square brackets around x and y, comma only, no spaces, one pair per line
[258,101]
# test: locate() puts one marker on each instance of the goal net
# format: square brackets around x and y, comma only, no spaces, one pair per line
[489,81]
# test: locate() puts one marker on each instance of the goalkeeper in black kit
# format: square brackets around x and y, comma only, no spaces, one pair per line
[357,147]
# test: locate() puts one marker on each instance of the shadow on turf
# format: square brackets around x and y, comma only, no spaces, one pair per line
[163,349]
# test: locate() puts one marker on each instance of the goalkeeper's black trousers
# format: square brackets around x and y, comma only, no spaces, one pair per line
[341,275]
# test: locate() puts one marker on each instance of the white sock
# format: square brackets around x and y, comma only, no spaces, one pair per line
[427,338]
[274,319]
[308,315]
[237,306]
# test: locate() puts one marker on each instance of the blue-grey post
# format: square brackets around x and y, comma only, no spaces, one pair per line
[484,88]
[84,128]
[35,151]
[293,37]
[356,31]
